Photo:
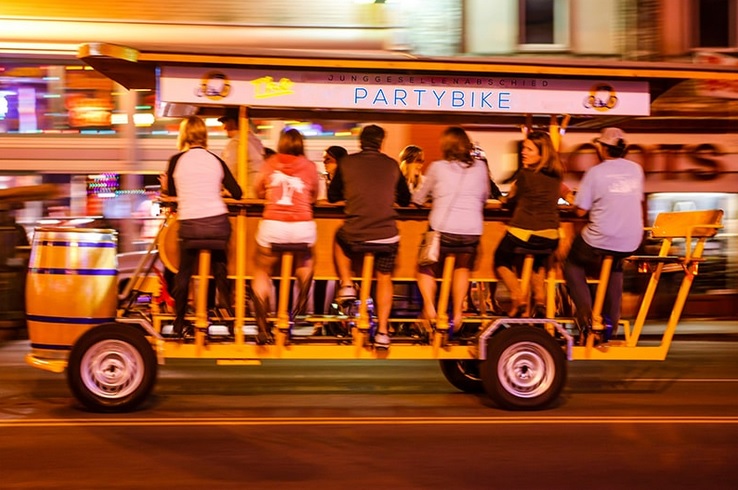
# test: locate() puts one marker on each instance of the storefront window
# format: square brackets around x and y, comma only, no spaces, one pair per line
[41,98]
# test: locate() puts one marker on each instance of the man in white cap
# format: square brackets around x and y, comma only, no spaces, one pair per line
[230,152]
[612,193]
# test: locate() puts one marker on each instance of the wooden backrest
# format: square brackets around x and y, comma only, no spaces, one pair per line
[695,224]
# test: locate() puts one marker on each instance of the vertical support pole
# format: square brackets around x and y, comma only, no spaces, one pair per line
[553,131]
[283,317]
[550,298]
[360,332]
[240,289]
[648,295]
[241,177]
[442,324]
[525,276]
[600,293]
[551,293]
[443,297]
[367,272]
[201,298]
[243,150]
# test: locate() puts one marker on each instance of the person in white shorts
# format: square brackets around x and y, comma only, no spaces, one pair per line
[288,182]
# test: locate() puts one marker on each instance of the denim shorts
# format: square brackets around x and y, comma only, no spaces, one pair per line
[384,262]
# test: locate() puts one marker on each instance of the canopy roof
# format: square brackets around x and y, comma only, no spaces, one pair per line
[379,85]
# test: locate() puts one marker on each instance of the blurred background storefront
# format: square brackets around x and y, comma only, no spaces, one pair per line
[63,123]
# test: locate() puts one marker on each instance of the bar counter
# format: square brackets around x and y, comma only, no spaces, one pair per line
[412,222]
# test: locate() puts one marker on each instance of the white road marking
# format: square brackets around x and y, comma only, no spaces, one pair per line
[320,421]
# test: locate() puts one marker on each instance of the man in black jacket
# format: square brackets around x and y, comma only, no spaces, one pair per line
[371,183]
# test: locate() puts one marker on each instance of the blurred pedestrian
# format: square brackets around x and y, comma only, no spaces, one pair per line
[412,159]
[230,121]
[327,168]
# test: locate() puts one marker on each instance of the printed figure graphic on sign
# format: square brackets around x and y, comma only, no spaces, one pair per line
[602,98]
[214,85]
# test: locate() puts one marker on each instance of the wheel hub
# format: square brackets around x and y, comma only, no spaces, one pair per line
[112,369]
[526,370]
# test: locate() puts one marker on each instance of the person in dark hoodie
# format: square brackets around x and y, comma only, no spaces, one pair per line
[288,182]
[371,183]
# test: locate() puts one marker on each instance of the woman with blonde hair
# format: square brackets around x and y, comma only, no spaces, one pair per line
[459,187]
[196,176]
[535,221]
[412,159]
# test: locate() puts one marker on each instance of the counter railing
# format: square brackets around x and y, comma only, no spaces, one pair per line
[411,221]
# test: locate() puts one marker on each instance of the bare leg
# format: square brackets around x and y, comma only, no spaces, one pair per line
[460,285]
[576,281]
[384,300]
[343,265]
[304,275]
[261,286]
[614,299]
[427,287]
[510,279]
[537,281]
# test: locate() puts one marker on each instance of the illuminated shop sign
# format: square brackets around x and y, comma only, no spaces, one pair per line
[445,93]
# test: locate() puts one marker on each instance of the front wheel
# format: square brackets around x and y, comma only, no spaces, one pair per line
[463,374]
[112,368]
[525,368]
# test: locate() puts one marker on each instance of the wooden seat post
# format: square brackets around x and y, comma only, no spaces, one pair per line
[600,293]
[443,325]
[287,252]
[449,262]
[525,276]
[527,272]
[367,273]
[201,296]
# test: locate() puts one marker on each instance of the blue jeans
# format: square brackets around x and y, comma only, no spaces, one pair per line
[583,261]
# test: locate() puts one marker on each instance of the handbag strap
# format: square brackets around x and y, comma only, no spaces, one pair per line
[456,193]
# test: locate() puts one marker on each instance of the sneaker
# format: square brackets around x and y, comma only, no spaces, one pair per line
[381,341]
[181,329]
[346,293]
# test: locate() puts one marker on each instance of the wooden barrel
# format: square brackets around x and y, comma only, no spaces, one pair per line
[71,286]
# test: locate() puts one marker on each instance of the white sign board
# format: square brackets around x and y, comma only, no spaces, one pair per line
[401,92]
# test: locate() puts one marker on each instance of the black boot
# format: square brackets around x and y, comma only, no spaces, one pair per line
[302,300]
[585,329]
[260,313]
[181,328]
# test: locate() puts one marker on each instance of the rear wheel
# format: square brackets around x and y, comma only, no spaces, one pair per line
[525,368]
[112,368]
[463,374]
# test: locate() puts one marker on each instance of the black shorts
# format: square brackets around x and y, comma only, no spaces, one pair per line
[505,255]
[384,262]
[450,240]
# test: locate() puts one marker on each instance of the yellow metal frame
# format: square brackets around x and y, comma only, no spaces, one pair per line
[694,227]
[668,227]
